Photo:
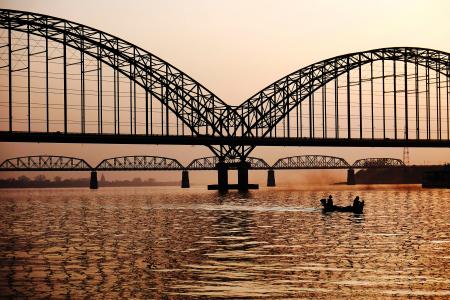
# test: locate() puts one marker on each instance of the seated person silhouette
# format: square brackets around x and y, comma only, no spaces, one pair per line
[329,204]
[358,205]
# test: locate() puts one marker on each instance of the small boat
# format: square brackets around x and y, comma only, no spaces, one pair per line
[356,209]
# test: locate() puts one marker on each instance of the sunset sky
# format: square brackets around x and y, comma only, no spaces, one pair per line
[236,48]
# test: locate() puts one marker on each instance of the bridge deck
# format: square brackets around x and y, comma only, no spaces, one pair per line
[90,138]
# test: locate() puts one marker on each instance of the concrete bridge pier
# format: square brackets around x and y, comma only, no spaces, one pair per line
[222,176]
[242,169]
[185,179]
[351,177]
[271,177]
[93,184]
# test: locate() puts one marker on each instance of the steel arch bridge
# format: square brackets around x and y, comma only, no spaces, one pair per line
[45,163]
[67,82]
[139,163]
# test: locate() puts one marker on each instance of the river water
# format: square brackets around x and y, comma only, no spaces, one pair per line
[121,243]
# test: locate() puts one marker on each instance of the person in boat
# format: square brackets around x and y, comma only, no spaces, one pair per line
[358,205]
[329,202]
[328,205]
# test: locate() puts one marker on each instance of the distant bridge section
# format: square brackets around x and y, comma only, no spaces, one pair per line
[330,162]
[45,163]
[369,163]
[157,163]
[311,162]
[210,163]
[139,163]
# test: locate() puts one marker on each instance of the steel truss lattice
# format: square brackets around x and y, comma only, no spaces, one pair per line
[368,163]
[311,162]
[45,163]
[136,163]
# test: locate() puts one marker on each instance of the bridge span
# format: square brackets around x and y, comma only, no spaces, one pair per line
[157,163]
[65,82]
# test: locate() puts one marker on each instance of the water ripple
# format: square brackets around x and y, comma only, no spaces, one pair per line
[158,243]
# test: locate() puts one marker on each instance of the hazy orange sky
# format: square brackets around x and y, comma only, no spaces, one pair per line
[236,48]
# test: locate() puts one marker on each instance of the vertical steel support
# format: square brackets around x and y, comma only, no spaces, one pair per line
[313,118]
[115,96]
[167,101]
[360,97]
[10,93]
[301,119]
[406,96]
[438,101]
[348,100]
[447,90]
[416,77]
[213,110]
[146,103]
[311,115]
[99,90]
[28,78]
[118,97]
[297,110]
[324,111]
[134,98]
[83,94]
[151,99]
[395,99]
[65,78]
[270,111]
[46,80]
[336,100]
[427,93]
[324,105]
[131,101]
[162,109]
[371,96]
[384,97]
[287,114]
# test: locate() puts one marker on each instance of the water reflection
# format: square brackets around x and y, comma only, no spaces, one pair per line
[147,243]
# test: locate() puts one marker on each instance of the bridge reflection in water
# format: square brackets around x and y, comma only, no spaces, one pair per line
[66,82]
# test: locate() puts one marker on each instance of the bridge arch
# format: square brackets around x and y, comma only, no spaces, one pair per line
[45,163]
[193,104]
[311,162]
[139,163]
[412,104]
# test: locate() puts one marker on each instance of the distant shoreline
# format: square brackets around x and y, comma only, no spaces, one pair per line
[163,184]
[42,182]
